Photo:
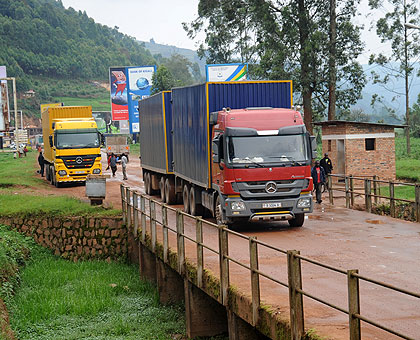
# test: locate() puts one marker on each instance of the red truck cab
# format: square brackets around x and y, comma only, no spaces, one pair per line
[261,165]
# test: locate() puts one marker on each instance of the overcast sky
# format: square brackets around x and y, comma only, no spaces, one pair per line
[162,20]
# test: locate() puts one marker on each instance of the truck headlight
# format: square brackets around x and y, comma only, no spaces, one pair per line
[62,172]
[304,202]
[96,171]
[238,205]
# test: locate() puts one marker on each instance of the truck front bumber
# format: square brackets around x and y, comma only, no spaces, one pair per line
[66,168]
[271,209]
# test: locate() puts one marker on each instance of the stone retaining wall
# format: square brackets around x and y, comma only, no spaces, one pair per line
[76,238]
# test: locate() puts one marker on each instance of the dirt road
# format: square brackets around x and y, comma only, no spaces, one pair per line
[382,248]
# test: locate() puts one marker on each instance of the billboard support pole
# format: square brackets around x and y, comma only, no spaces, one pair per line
[13,79]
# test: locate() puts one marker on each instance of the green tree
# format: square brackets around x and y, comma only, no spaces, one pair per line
[286,40]
[415,119]
[162,80]
[392,29]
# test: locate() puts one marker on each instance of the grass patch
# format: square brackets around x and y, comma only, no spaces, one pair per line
[401,192]
[58,299]
[100,103]
[20,172]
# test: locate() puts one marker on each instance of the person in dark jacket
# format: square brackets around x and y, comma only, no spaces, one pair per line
[41,163]
[318,176]
[328,167]
[113,164]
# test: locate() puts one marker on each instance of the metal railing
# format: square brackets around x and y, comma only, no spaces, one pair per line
[370,189]
[136,215]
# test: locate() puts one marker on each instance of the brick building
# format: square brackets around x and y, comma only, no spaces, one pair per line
[360,149]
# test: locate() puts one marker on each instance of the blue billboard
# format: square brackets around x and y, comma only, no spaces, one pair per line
[139,86]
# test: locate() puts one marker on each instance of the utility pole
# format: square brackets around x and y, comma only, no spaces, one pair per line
[407,103]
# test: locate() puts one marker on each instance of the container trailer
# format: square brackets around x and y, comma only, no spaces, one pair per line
[237,150]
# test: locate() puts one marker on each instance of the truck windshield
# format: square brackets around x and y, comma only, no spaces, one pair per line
[70,139]
[260,150]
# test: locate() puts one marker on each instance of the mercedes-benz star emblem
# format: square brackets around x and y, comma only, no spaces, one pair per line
[271,187]
[79,160]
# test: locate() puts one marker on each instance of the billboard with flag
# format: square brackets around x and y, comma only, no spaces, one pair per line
[226,72]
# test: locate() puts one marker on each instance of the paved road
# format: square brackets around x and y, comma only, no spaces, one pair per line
[382,248]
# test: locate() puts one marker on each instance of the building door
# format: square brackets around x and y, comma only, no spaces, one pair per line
[341,159]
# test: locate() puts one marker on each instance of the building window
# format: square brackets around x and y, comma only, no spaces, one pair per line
[329,145]
[370,144]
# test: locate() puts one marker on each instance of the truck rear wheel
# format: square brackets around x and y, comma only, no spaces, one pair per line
[47,173]
[196,209]
[170,191]
[162,189]
[186,198]
[297,221]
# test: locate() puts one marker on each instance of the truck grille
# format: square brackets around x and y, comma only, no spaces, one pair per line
[79,162]
[278,189]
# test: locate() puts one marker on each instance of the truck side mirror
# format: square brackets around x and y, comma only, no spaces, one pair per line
[313,147]
[50,139]
[215,150]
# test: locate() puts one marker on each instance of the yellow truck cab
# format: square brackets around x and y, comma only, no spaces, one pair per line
[71,144]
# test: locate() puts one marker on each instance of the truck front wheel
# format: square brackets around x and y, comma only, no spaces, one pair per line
[147,183]
[218,212]
[297,221]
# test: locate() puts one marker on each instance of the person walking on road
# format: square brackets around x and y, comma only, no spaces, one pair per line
[41,163]
[318,176]
[113,164]
[124,161]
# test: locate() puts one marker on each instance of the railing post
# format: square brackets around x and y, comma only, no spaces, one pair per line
[392,199]
[295,297]
[351,190]
[180,241]
[368,196]
[417,194]
[375,189]
[143,218]
[136,213]
[346,183]
[330,190]
[153,224]
[128,206]
[354,304]
[224,264]
[123,206]
[255,279]
[200,255]
[165,234]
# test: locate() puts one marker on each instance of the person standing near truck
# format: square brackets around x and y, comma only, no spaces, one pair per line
[326,163]
[41,163]
[318,176]
[113,164]
[124,161]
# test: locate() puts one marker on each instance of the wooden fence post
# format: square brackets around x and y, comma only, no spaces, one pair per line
[351,190]
[224,264]
[354,304]
[153,224]
[375,188]
[346,184]
[200,255]
[128,206]
[295,297]
[143,218]
[417,194]
[368,195]
[123,206]
[180,241]
[165,234]
[392,199]
[330,190]
[136,213]
[255,279]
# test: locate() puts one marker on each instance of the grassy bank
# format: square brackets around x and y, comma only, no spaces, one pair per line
[58,299]
[21,191]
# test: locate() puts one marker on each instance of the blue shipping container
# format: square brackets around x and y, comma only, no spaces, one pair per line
[155,116]
[191,107]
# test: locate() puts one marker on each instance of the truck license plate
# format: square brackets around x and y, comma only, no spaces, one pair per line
[271,205]
[79,172]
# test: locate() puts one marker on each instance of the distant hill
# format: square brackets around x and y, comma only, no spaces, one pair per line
[167,51]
